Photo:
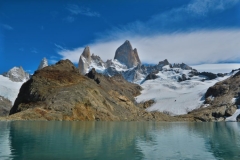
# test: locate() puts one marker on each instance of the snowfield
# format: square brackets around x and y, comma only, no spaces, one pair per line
[173,97]
[9,89]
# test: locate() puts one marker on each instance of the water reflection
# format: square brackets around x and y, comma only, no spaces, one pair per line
[119,140]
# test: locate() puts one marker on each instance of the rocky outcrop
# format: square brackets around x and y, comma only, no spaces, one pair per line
[84,61]
[208,75]
[43,63]
[5,106]
[152,76]
[164,63]
[221,100]
[182,66]
[59,92]
[17,74]
[93,75]
[126,55]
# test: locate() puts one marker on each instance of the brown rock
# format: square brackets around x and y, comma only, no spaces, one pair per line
[59,92]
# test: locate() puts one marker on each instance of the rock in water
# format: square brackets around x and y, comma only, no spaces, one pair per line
[84,61]
[17,74]
[126,55]
[44,63]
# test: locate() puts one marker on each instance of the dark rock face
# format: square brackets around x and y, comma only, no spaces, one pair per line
[164,63]
[5,106]
[93,75]
[217,90]
[126,55]
[183,78]
[209,75]
[60,92]
[152,76]
[182,66]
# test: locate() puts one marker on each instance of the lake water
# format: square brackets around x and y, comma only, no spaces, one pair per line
[119,140]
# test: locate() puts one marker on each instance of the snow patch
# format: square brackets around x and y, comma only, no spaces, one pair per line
[233,118]
[174,97]
[9,89]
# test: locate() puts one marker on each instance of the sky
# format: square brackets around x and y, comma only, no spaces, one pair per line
[190,31]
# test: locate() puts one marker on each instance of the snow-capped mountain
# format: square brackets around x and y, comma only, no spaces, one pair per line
[43,63]
[175,88]
[9,89]
[17,74]
[11,82]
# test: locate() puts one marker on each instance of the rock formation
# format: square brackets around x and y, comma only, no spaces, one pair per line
[43,63]
[5,106]
[17,74]
[164,63]
[182,66]
[126,55]
[84,61]
[222,100]
[59,92]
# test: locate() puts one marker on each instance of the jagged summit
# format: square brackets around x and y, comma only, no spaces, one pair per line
[126,55]
[84,61]
[44,63]
[86,53]
[17,74]
[164,63]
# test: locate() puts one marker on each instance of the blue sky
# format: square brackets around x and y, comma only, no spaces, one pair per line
[191,31]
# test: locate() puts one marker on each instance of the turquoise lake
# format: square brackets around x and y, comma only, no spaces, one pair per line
[119,140]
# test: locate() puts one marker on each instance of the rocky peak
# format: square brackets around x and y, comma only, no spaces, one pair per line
[164,63]
[182,66]
[17,74]
[86,53]
[44,63]
[84,61]
[126,55]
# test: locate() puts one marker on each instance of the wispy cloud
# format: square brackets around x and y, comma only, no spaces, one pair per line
[69,19]
[59,47]
[191,48]
[34,50]
[155,40]
[75,9]
[202,7]
[191,16]
[6,26]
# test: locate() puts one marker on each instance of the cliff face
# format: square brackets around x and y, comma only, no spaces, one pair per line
[222,100]
[126,55]
[59,92]
[84,61]
[5,106]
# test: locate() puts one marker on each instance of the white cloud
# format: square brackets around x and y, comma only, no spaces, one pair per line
[191,48]
[217,68]
[75,9]
[199,46]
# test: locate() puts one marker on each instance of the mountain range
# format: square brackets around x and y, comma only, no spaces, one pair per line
[163,91]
